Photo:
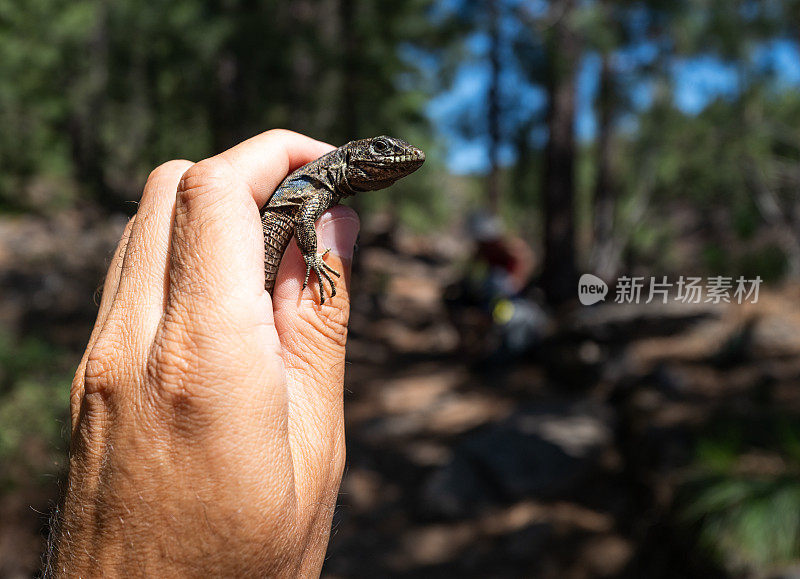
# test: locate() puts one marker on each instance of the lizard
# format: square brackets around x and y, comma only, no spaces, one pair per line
[301,198]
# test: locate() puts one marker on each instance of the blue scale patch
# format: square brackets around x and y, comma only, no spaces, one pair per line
[290,188]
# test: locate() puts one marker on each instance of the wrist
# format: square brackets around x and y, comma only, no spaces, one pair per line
[114,527]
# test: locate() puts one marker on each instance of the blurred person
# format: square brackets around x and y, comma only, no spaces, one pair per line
[502,263]
[496,282]
[207,427]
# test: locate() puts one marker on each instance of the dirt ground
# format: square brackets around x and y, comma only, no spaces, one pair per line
[563,462]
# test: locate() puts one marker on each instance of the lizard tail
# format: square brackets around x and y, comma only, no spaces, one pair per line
[278,230]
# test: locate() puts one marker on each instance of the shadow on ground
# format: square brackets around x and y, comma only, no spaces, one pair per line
[564,463]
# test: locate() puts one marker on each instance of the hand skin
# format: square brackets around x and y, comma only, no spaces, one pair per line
[207,428]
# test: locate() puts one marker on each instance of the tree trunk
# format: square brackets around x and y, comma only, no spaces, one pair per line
[604,253]
[559,277]
[350,71]
[224,118]
[302,67]
[349,126]
[85,119]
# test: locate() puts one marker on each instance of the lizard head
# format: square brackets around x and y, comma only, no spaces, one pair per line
[378,162]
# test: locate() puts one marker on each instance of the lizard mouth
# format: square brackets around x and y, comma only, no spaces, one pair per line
[413,159]
[409,165]
[397,160]
[416,157]
[378,173]
[405,164]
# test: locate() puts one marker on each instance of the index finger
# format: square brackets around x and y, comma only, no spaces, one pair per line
[286,151]
[217,241]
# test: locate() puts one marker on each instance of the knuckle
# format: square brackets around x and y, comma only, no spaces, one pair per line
[170,169]
[200,179]
[279,133]
[180,378]
[100,375]
[168,367]
[168,382]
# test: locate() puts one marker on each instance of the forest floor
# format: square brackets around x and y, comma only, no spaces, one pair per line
[565,462]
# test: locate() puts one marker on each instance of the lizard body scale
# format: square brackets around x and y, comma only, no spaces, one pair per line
[363,165]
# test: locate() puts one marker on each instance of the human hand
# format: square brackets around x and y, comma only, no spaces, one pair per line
[207,427]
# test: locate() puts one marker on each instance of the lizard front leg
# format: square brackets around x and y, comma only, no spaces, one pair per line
[306,237]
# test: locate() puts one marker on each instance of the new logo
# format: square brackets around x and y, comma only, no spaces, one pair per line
[591,289]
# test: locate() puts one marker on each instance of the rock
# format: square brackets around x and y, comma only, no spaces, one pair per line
[545,451]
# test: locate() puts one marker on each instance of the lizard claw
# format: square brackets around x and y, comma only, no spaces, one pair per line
[329,268]
[321,269]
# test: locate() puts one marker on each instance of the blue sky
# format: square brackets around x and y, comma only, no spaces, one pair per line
[697,81]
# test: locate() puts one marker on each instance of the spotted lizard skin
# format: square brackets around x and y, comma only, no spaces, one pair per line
[358,166]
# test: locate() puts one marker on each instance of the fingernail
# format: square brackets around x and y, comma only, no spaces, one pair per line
[339,234]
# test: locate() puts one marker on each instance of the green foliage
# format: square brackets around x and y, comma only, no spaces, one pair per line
[722,167]
[769,262]
[34,400]
[98,93]
[743,496]
[749,523]
[102,92]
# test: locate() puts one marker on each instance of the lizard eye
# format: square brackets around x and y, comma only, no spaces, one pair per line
[380,146]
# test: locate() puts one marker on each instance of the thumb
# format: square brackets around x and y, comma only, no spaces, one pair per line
[313,336]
